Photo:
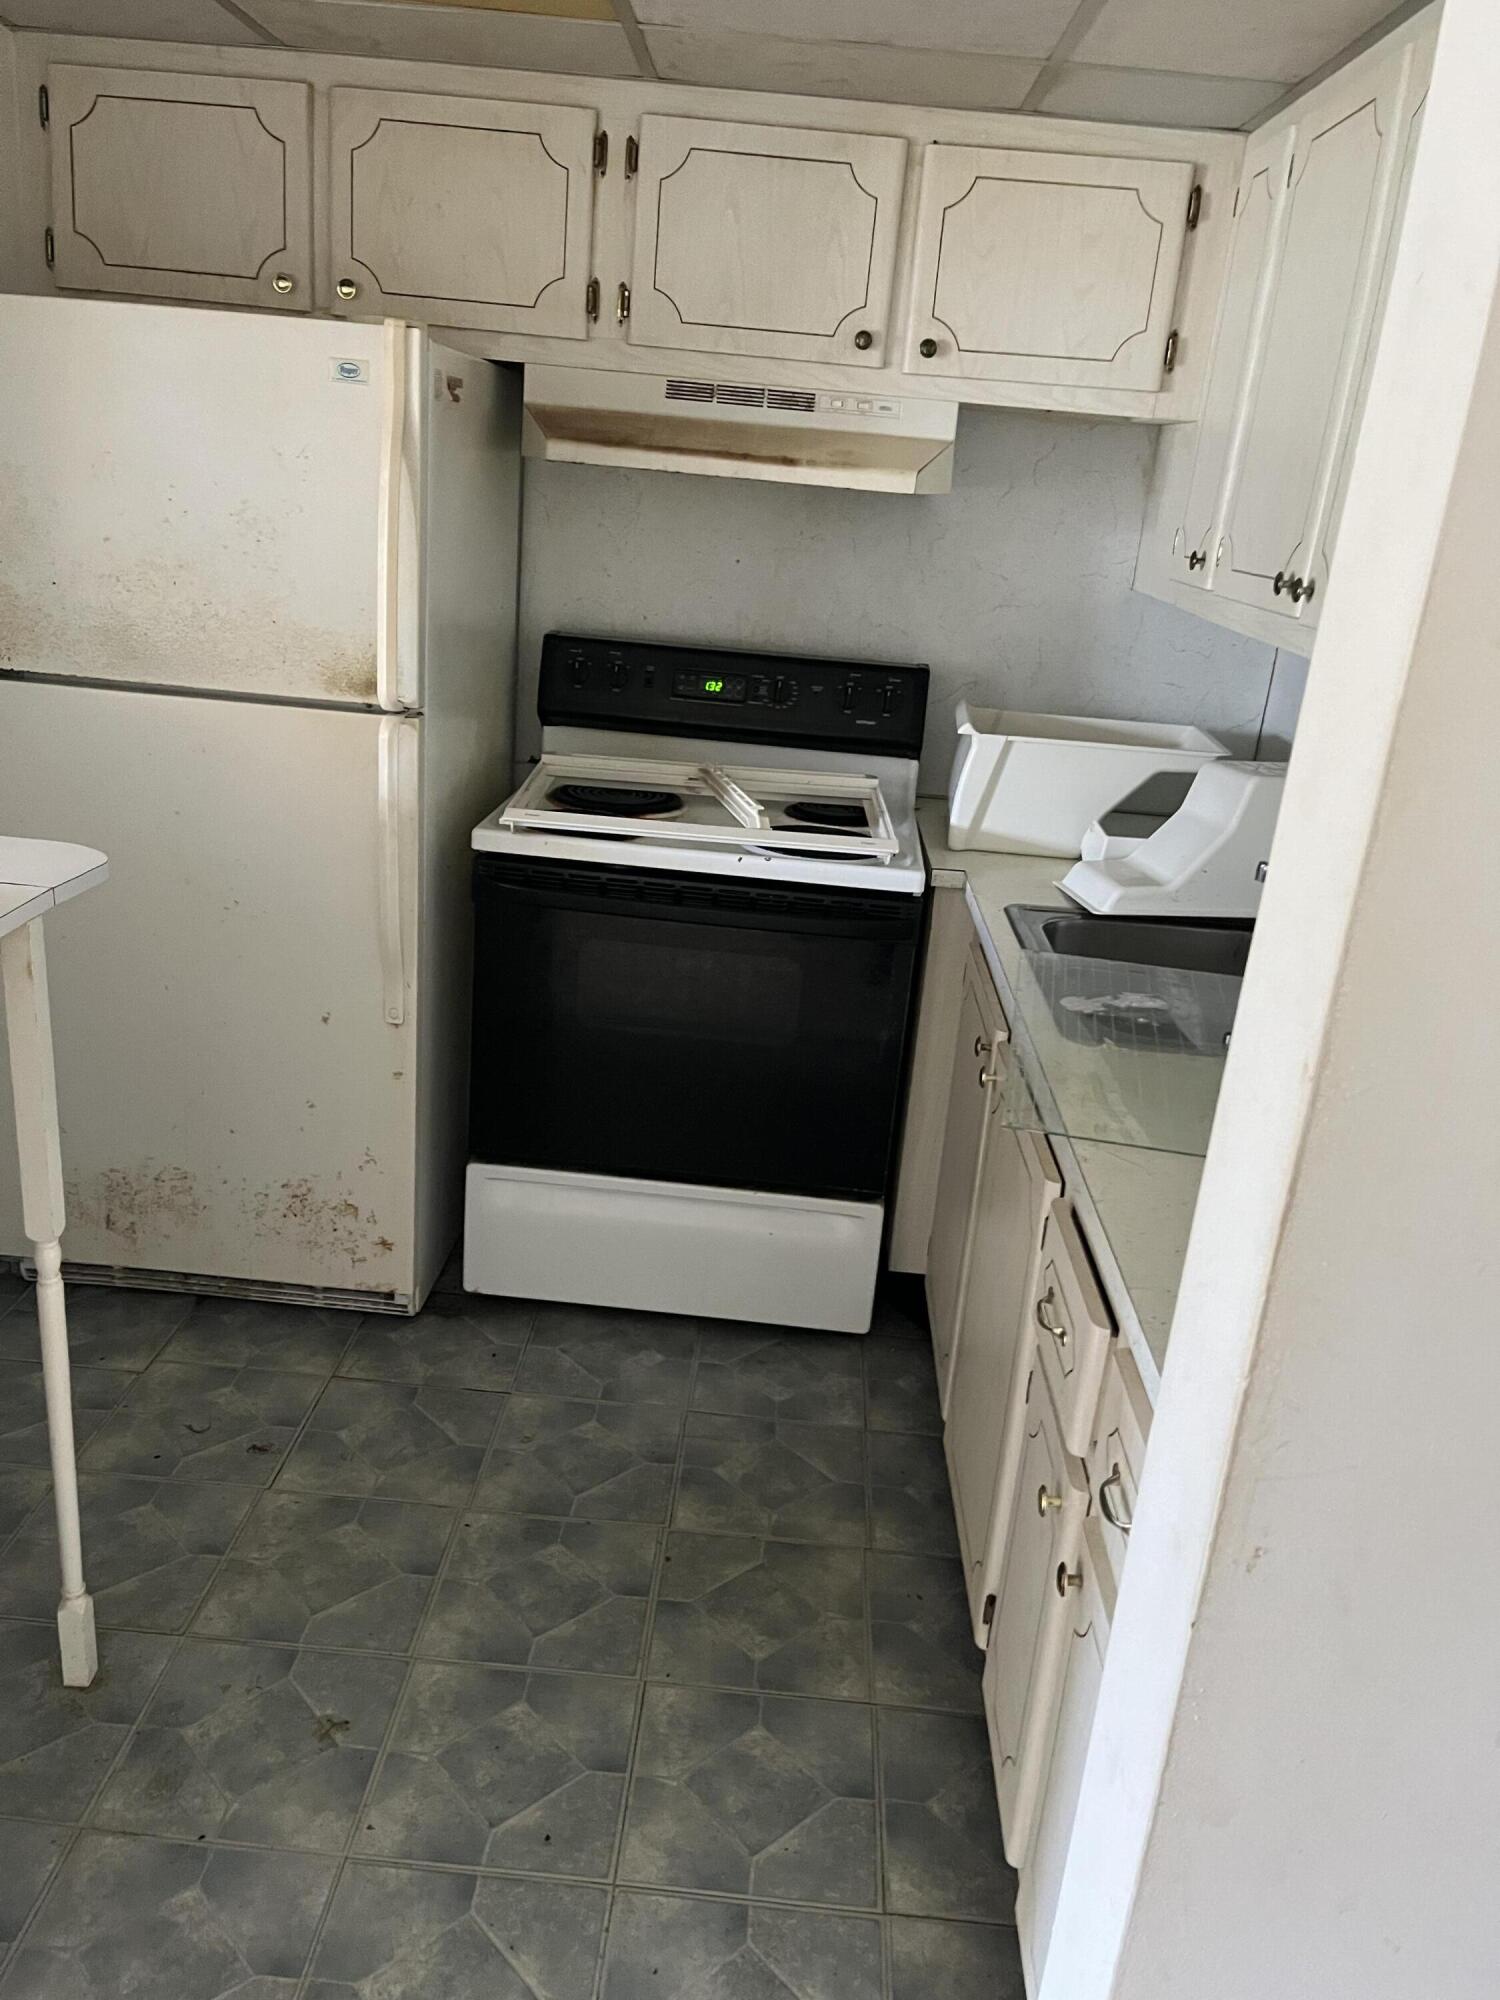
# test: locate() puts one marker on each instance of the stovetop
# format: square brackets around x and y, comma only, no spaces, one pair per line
[816,785]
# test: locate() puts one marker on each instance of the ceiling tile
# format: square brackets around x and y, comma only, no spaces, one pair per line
[568,10]
[846,69]
[1286,39]
[145,20]
[429,33]
[1157,97]
[998,27]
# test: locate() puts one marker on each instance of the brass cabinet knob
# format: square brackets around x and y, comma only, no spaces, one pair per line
[1197,560]
[927,348]
[982,1047]
[1046,1501]
[347,289]
[864,340]
[1068,1579]
[1279,582]
[283,282]
[987,1077]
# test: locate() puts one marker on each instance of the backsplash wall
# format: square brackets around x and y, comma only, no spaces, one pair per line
[1014,588]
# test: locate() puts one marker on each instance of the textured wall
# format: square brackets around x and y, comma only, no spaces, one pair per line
[1014,588]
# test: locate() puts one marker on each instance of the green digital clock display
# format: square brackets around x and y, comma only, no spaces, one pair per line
[710,687]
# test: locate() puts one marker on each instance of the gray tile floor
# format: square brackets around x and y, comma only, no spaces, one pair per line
[510,1653]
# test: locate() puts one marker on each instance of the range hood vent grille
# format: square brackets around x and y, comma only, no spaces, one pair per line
[740,395]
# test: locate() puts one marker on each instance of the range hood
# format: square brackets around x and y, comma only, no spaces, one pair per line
[738,429]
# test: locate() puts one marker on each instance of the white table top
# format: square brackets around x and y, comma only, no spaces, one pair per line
[37,875]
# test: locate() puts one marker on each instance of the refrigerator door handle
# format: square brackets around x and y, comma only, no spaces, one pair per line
[397,618]
[392,930]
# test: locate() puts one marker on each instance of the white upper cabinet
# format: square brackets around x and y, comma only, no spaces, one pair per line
[1300,388]
[1258,213]
[176,186]
[1046,267]
[462,210]
[765,240]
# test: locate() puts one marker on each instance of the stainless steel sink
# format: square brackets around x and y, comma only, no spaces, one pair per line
[1183,944]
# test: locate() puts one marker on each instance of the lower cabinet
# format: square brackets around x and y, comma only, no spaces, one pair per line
[996,1349]
[1090,1608]
[973,1081]
[1028,1635]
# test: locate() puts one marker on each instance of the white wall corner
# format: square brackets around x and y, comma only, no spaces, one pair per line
[1291,1786]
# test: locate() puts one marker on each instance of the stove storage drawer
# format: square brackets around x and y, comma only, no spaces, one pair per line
[689,1027]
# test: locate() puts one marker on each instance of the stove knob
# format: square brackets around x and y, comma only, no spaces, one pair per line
[848,701]
[580,672]
[619,676]
[781,689]
[888,701]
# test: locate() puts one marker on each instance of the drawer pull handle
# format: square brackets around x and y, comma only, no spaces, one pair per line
[1058,1332]
[1046,1501]
[1108,1506]
[1068,1579]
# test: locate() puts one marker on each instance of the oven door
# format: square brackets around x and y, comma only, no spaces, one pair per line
[689,1027]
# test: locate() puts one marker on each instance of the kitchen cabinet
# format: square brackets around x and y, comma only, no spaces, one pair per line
[994,1354]
[468,210]
[1046,267]
[1298,391]
[1259,211]
[176,186]
[764,240]
[1028,1636]
[973,1080]
[1074,1328]
[1085,1640]
[1245,504]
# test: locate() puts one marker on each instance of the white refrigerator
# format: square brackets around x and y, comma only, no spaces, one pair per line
[257,629]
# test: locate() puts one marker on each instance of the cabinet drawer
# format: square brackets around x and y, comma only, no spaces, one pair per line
[1073,1328]
[1117,1455]
[1023,1665]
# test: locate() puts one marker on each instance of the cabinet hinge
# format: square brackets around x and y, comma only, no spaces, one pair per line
[1195,205]
[601,154]
[49,245]
[632,157]
[1169,358]
[987,1616]
[44,107]
[591,298]
[622,303]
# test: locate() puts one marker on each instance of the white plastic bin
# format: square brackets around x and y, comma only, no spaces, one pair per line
[1033,784]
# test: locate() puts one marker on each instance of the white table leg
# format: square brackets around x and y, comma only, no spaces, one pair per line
[23,966]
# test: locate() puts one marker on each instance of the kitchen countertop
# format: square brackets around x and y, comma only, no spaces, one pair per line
[1135,1202]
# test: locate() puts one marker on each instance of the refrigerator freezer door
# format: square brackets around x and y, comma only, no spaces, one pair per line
[204,500]
[235,1101]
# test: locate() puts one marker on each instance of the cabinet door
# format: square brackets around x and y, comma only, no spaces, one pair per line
[1258,213]
[463,210]
[1086,1641]
[970,1092]
[1046,267]
[1317,326]
[1024,1661]
[993,1354]
[181,187]
[1412,117]
[761,239]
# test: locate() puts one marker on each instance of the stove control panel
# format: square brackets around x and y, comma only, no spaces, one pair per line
[756,697]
